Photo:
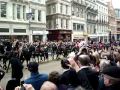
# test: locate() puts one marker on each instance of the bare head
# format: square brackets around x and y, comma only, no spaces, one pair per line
[48,86]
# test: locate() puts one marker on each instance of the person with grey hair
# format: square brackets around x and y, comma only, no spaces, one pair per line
[111,78]
[48,86]
[103,64]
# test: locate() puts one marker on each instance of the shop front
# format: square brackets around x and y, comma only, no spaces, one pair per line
[78,36]
[56,35]
[39,35]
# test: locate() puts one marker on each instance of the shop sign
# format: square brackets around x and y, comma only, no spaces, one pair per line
[40,32]
[65,32]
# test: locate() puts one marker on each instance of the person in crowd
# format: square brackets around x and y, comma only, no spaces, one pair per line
[117,58]
[87,77]
[68,79]
[53,50]
[26,54]
[48,86]
[2,73]
[54,77]
[111,78]
[103,64]
[79,88]
[25,87]
[45,52]
[17,72]
[36,79]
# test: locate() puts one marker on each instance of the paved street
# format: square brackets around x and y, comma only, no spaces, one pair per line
[43,68]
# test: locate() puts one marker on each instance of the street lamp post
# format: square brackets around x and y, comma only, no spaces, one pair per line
[110,41]
[29,15]
[85,32]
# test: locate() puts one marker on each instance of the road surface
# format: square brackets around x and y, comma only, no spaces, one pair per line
[43,68]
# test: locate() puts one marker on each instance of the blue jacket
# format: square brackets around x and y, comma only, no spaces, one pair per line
[36,80]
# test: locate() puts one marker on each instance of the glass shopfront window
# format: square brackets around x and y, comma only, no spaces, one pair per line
[3,9]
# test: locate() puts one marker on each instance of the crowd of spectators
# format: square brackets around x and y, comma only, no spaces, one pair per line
[88,69]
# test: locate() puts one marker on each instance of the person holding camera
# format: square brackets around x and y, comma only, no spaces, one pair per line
[87,77]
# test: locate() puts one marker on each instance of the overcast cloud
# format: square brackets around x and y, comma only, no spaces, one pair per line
[116,3]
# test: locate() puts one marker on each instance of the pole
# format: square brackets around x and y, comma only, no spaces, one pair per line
[29,17]
[86,31]
[110,38]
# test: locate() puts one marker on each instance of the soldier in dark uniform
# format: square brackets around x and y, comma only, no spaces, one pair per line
[7,54]
[31,50]
[1,52]
[59,51]
[45,52]
[41,52]
[26,54]
[53,51]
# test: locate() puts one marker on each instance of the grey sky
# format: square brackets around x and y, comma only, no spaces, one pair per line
[116,3]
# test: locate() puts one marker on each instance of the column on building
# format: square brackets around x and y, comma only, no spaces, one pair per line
[9,11]
[43,20]
[36,15]
[43,16]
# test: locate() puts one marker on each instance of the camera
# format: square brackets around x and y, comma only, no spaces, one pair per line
[64,63]
[22,87]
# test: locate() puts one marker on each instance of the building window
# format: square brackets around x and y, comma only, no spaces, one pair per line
[74,26]
[20,30]
[53,9]
[39,15]
[24,12]
[18,11]
[13,11]
[82,27]
[49,24]
[54,23]
[3,9]
[73,11]
[4,30]
[48,9]
[33,14]
[61,23]
[61,6]
[78,27]
[67,23]
[119,14]
[66,9]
